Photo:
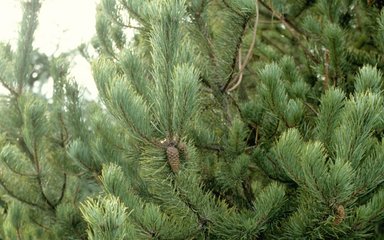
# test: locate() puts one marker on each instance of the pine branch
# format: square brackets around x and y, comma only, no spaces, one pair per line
[247,190]
[236,105]
[270,42]
[211,147]
[64,136]
[240,74]
[120,23]
[296,33]
[39,180]
[292,27]
[205,32]
[249,53]
[18,234]
[234,10]
[62,192]
[311,108]
[13,195]
[24,47]
[46,228]
[251,47]
[133,12]
[204,223]
[18,173]
[136,130]
[238,45]
[326,70]
[307,5]
[9,88]
[23,145]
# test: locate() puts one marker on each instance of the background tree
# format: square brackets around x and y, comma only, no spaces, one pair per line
[43,174]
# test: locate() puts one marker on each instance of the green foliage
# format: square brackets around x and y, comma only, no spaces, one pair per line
[222,119]
[113,215]
[24,50]
[283,130]
[41,184]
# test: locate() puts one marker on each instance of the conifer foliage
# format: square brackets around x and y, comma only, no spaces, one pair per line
[42,179]
[278,112]
[242,119]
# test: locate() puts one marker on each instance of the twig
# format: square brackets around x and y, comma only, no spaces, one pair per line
[257,135]
[13,195]
[133,12]
[212,147]
[9,88]
[236,105]
[204,32]
[286,22]
[326,70]
[240,75]
[234,10]
[249,53]
[39,180]
[296,33]
[250,50]
[224,89]
[120,22]
[18,173]
[18,233]
[312,108]
[270,42]
[131,26]
[40,225]
[62,190]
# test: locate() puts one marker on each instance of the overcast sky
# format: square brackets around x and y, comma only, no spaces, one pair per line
[63,25]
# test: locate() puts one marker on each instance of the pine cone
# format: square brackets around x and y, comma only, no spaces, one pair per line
[340,215]
[173,158]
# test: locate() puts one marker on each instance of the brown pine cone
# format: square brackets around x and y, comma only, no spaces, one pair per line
[173,158]
[340,215]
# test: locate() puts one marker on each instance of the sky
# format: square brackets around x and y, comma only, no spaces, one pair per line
[63,25]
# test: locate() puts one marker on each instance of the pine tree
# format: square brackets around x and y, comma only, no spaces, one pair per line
[46,168]
[242,119]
